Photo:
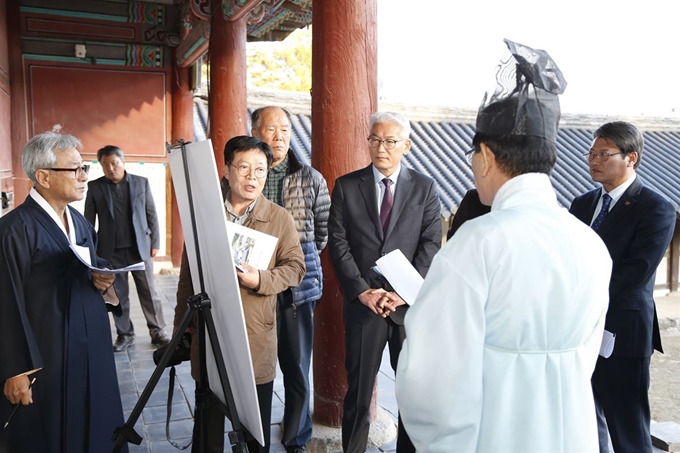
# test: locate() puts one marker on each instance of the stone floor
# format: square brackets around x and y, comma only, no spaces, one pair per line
[135,367]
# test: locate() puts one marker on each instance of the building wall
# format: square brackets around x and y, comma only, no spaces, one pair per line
[101,106]
[117,93]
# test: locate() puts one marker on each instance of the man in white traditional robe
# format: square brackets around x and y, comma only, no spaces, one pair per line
[504,336]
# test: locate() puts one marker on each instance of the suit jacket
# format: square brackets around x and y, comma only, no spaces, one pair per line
[99,202]
[356,238]
[470,207]
[637,232]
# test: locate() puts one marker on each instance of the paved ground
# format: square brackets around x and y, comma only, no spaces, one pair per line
[135,367]
[664,392]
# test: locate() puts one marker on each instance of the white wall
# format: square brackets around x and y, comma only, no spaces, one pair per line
[155,172]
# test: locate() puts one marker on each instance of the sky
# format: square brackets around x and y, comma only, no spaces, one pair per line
[619,58]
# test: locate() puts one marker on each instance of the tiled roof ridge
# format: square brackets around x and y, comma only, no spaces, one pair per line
[439,145]
[301,103]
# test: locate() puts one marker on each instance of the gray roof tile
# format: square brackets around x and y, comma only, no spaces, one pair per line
[438,151]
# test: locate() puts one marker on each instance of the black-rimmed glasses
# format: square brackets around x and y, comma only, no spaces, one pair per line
[469,155]
[244,170]
[78,171]
[602,157]
[388,144]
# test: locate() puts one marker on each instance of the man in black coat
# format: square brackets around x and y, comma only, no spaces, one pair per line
[128,233]
[470,207]
[636,224]
[57,360]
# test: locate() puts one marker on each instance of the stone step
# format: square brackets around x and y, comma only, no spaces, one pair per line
[666,436]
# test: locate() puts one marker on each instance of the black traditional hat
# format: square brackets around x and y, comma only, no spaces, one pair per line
[525,100]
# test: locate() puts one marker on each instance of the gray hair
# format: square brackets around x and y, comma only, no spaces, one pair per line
[391,117]
[256,116]
[39,152]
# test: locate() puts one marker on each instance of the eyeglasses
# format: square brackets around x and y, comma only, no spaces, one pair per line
[244,170]
[602,157]
[78,171]
[388,144]
[469,155]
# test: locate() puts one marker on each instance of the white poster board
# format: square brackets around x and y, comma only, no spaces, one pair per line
[219,277]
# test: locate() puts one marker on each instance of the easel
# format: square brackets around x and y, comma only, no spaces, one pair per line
[200,304]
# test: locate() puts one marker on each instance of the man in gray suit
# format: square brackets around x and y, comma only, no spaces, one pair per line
[374,211]
[128,233]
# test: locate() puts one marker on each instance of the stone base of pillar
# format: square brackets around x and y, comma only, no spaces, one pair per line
[329,440]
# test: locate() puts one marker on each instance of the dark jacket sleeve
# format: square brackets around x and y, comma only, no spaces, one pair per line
[90,206]
[346,267]
[470,207]
[643,254]
[430,233]
[321,208]
[151,216]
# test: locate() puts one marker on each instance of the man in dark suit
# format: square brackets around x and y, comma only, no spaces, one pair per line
[470,208]
[374,211]
[128,233]
[636,224]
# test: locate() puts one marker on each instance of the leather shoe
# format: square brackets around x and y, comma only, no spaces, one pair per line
[300,449]
[123,342]
[161,339]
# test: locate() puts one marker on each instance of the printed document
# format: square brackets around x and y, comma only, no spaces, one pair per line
[83,254]
[401,275]
[607,345]
[250,246]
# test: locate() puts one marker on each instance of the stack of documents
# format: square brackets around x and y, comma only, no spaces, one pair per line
[83,254]
[401,274]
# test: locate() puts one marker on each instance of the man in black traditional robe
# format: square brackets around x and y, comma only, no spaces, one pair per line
[54,326]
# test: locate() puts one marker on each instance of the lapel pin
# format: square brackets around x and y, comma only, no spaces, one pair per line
[627,203]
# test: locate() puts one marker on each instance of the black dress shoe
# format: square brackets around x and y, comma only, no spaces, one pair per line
[123,342]
[300,449]
[160,340]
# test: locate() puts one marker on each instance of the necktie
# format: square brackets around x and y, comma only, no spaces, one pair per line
[386,206]
[606,200]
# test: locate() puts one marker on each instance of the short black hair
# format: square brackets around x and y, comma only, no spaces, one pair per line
[243,143]
[624,136]
[110,150]
[519,154]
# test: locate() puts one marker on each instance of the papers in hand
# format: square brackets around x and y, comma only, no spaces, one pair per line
[251,246]
[401,274]
[607,345]
[83,254]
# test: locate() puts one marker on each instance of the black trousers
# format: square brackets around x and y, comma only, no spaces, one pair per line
[146,290]
[296,337]
[215,420]
[364,345]
[620,386]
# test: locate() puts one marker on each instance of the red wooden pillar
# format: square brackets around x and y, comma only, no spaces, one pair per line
[344,95]
[182,128]
[19,123]
[6,182]
[228,102]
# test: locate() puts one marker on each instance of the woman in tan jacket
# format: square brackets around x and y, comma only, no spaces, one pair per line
[247,160]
